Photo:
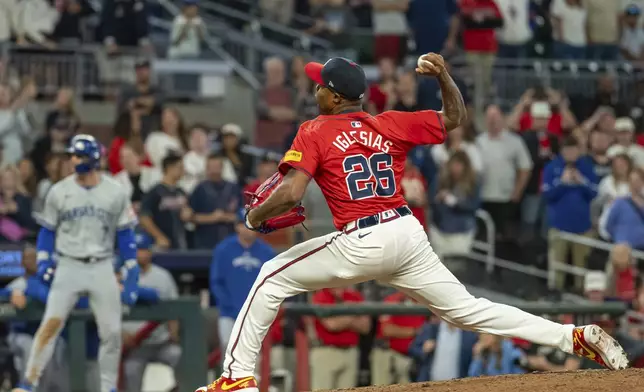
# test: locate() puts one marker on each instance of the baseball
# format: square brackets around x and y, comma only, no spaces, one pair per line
[424,64]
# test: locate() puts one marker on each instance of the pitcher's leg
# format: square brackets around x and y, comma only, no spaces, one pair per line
[426,279]
[312,265]
[105,302]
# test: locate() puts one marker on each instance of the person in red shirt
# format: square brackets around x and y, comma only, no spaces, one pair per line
[382,95]
[560,119]
[415,191]
[621,273]
[127,130]
[335,359]
[358,161]
[390,364]
[480,18]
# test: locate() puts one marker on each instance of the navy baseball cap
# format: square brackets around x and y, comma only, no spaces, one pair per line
[340,75]
[632,10]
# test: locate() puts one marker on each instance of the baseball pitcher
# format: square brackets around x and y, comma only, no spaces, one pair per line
[358,161]
[83,215]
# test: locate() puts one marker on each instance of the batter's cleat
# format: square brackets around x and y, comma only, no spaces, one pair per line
[225,384]
[592,342]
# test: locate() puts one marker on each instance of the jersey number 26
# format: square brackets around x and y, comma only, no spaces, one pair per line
[362,170]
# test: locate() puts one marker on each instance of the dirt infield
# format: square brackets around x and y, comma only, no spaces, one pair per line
[630,380]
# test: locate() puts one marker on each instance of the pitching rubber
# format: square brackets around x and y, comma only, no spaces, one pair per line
[607,347]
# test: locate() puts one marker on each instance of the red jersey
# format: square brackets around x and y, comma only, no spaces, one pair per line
[554,123]
[400,345]
[480,40]
[346,338]
[358,159]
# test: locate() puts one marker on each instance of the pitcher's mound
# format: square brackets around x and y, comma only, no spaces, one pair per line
[630,380]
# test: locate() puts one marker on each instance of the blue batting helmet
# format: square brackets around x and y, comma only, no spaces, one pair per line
[87,147]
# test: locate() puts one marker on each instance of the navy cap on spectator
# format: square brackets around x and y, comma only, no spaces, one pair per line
[340,75]
[143,241]
[632,10]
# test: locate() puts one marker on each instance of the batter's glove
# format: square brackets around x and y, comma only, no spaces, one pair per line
[46,270]
[290,218]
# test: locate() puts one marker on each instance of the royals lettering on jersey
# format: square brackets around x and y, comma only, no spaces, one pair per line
[358,160]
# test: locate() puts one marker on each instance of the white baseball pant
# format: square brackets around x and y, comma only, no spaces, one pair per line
[396,253]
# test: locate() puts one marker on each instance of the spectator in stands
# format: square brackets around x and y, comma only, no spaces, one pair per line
[560,118]
[280,11]
[625,142]
[333,21]
[569,25]
[454,208]
[125,24]
[435,25]
[27,175]
[336,354]
[194,162]
[135,178]
[390,363]
[305,103]
[162,345]
[415,191]
[506,170]
[621,273]
[632,40]
[69,27]
[15,207]
[614,185]
[142,97]
[14,121]
[215,203]
[390,28]
[430,97]
[494,356]
[238,165]
[442,352]
[515,35]
[275,109]
[407,93]
[63,109]
[165,208]
[458,140]
[625,219]
[188,32]
[480,18]
[595,283]
[543,147]
[606,100]
[569,186]
[171,137]
[52,168]
[382,94]
[265,168]
[236,262]
[599,142]
[34,22]
[127,131]
[603,27]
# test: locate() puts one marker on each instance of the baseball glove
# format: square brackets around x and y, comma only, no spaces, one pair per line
[290,218]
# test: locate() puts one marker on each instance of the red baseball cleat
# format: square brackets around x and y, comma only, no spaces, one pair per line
[593,343]
[225,384]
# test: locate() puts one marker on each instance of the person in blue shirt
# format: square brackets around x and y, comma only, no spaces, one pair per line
[624,221]
[215,203]
[495,356]
[569,185]
[434,25]
[236,262]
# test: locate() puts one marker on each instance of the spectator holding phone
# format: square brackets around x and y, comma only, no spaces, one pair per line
[494,356]
[569,185]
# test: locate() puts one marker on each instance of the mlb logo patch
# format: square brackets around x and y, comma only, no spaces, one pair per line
[356,124]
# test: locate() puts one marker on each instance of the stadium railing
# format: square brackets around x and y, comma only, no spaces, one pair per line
[583,314]
[555,266]
[192,369]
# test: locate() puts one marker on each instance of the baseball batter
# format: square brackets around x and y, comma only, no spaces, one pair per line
[83,215]
[358,161]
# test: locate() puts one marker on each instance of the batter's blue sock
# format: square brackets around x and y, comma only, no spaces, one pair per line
[26,386]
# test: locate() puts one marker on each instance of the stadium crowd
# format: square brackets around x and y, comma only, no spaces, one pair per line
[553,163]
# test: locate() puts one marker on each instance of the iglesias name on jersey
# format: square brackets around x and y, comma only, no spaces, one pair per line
[358,160]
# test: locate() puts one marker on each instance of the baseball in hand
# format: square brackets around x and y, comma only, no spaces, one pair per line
[430,64]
